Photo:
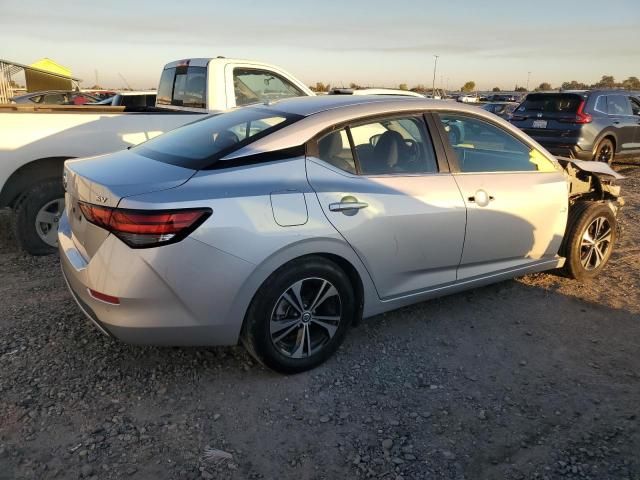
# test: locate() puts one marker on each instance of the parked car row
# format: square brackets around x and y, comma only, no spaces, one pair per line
[55,97]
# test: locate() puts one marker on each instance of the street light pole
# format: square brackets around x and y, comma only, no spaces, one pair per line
[433,85]
[528,77]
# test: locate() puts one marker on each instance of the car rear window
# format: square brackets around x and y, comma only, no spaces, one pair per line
[200,144]
[551,103]
[183,87]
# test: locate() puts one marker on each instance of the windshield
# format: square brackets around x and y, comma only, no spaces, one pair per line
[199,144]
[551,103]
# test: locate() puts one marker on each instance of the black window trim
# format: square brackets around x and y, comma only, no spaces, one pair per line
[429,125]
[452,157]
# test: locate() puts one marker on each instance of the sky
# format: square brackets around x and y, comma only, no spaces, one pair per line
[372,42]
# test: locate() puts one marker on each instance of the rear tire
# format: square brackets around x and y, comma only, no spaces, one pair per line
[589,240]
[37,213]
[300,315]
[605,151]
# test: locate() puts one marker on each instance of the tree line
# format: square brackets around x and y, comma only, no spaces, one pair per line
[607,81]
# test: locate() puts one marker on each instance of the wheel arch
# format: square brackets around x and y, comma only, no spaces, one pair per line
[331,249]
[611,135]
[29,175]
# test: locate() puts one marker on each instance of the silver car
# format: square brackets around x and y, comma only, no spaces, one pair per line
[281,224]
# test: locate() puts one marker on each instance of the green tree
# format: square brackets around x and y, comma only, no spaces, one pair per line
[420,88]
[607,81]
[520,89]
[470,86]
[355,86]
[495,89]
[573,85]
[403,86]
[544,86]
[320,87]
[631,83]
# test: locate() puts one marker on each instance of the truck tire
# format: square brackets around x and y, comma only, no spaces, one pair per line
[37,213]
[591,234]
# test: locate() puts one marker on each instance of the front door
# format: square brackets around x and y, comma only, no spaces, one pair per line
[380,186]
[516,199]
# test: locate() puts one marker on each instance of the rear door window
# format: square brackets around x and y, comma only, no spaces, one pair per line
[259,86]
[618,105]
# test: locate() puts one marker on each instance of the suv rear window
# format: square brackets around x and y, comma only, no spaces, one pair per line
[551,103]
[200,144]
[183,87]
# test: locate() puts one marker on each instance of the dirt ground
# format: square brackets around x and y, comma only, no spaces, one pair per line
[533,378]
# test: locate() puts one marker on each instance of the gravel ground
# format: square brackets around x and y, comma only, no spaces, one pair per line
[533,378]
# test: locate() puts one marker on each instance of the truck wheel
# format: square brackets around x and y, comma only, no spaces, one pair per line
[37,214]
[591,235]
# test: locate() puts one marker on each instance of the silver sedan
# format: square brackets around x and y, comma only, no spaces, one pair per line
[281,224]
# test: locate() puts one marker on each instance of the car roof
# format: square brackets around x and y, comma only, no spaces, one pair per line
[306,106]
[327,111]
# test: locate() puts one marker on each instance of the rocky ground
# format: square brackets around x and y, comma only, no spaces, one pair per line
[534,378]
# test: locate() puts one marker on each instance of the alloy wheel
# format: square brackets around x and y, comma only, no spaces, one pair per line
[47,221]
[596,242]
[605,153]
[305,317]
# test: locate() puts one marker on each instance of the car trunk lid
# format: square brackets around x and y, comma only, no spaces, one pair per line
[106,180]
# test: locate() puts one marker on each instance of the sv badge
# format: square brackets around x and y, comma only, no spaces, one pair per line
[101,199]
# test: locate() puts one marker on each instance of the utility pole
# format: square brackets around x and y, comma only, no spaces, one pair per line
[433,85]
[528,78]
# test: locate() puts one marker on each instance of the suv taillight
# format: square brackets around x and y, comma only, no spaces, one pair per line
[146,228]
[580,116]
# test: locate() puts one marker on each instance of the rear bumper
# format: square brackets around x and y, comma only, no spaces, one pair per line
[178,294]
[563,146]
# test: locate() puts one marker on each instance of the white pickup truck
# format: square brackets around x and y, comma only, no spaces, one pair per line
[36,140]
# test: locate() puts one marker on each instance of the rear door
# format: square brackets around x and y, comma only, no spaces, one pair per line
[380,184]
[625,123]
[516,199]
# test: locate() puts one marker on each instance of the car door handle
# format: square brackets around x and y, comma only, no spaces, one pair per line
[481,198]
[342,206]
[348,205]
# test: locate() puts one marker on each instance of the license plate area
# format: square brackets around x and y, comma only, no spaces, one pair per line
[539,124]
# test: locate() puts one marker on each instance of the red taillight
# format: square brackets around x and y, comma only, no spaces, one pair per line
[580,117]
[146,228]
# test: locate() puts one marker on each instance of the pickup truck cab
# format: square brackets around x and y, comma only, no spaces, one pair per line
[35,140]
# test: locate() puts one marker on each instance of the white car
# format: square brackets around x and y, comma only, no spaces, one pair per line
[468,99]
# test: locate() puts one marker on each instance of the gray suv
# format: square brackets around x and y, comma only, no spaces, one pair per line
[591,125]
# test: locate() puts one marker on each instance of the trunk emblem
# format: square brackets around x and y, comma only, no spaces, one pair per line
[101,199]
[539,115]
